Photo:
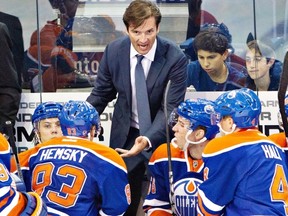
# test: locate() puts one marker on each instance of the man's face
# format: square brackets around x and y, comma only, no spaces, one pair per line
[49,128]
[211,62]
[257,65]
[143,37]
[180,130]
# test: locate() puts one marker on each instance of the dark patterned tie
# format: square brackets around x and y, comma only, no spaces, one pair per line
[143,106]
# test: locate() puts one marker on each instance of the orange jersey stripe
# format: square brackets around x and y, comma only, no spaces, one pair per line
[100,149]
[279,139]
[232,140]
[204,213]
[18,209]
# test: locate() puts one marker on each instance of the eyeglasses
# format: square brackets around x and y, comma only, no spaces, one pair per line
[256,59]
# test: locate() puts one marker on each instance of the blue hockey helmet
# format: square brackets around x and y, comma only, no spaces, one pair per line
[198,113]
[243,105]
[46,110]
[77,118]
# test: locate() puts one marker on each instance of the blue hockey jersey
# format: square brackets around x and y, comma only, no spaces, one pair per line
[77,177]
[245,174]
[187,176]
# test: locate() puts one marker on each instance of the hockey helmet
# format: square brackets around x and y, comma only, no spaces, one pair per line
[243,105]
[198,113]
[46,110]
[77,118]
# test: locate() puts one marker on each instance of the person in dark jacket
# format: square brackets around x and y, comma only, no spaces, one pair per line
[212,72]
[10,90]
[264,71]
[16,33]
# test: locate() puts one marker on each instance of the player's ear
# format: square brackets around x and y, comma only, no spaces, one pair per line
[200,133]
[37,136]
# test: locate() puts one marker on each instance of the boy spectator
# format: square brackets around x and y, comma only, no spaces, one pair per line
[264,70]
[211,72]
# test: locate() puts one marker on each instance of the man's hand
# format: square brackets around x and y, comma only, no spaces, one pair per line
[140,144]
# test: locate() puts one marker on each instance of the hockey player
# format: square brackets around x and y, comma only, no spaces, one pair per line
[74,175]
[245,172]
[12,201]
[193,130]
[45,121]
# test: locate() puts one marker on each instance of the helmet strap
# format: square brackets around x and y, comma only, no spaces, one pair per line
[227,132]
[188,142]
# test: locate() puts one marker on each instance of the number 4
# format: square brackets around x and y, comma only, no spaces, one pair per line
[279,187]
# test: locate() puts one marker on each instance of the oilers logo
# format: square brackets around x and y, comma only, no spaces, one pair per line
[185,196]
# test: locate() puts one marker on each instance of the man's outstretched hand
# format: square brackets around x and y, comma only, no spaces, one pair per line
[140,144]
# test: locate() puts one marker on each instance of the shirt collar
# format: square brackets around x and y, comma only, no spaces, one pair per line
[150,55]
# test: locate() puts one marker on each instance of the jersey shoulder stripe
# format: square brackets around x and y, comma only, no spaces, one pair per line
[235,140]
[279,139]
[161,153]
[104,152]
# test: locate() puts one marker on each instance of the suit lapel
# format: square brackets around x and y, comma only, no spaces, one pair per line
[156,66]
[124,69]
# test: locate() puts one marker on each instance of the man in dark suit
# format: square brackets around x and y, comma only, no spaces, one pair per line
[163,61]
[10,90]
[15,30]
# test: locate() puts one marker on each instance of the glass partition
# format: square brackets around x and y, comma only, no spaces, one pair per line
[71,49]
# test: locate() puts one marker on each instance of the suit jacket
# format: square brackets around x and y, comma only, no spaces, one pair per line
[15,30]
[10,90]
[114,78]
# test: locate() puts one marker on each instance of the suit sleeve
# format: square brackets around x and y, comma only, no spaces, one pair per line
[104,90]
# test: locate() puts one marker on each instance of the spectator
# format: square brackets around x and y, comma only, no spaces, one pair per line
[76,176]
[198,20]
[10,90]
[245,172]
[197,17]
[263,69]
[163,61]
[193,130]
[61,67]
[45,122]
[12,201]
[211,72]
[15,29]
